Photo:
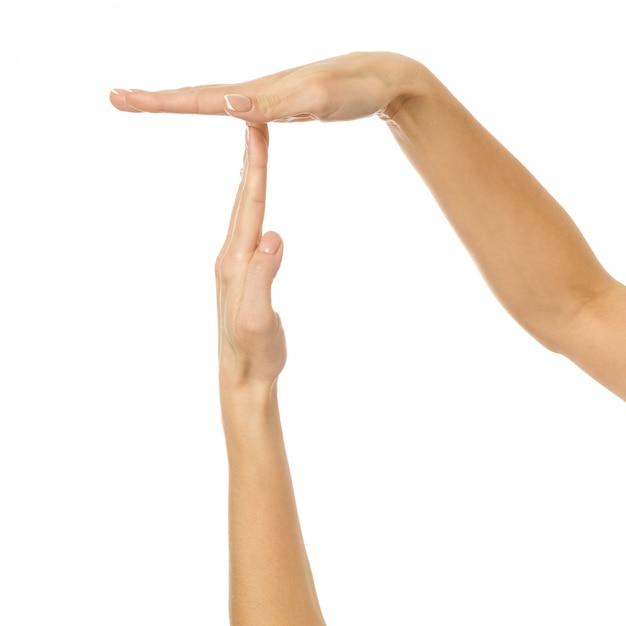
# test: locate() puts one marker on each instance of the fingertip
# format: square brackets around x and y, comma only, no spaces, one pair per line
[259,130]
[118,98]
[270,243]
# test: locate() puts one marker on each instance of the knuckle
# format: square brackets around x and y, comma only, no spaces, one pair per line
[257,268]
[268,103]
[224,267]
[254,324]
[219,266]
[321,85]
[255,197]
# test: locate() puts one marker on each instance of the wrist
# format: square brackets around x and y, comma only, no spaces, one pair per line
[251,422]
[411,82]
[249,403]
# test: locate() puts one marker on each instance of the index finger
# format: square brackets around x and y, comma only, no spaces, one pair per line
[206,99]
[285,96]
[246,222]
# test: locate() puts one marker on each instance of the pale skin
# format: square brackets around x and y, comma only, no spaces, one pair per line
[528,249]
[270,577]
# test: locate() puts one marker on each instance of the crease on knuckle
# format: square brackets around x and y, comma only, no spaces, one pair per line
[257,268]
[268,103]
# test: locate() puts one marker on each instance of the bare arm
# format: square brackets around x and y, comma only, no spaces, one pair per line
[270,578]
[528,249]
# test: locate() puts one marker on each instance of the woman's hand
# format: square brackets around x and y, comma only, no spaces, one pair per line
[342,88]
[252,350]
[270,578]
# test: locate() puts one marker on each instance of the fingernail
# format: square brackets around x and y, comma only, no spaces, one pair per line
[269,243]
[238,103]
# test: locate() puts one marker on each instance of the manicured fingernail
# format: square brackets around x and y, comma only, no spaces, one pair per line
[238,103]
[269,243]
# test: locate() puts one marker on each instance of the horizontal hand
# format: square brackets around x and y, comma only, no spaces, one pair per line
[342,88]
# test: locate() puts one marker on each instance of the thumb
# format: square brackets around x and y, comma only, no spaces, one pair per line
[262,270]
[288,105]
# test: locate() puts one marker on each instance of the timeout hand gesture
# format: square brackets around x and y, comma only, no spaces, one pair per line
[252,350]
[531,253]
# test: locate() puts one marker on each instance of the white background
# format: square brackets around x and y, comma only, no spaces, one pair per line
[448,469]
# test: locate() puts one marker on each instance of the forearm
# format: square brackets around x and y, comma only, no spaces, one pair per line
[530,252]
[270,578]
